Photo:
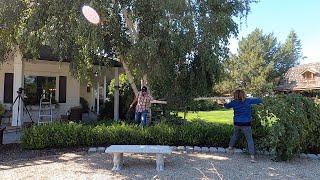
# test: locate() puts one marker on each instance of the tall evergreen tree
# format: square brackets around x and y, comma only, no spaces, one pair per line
[259,63]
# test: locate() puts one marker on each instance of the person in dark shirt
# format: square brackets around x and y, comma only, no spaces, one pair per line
[242,118]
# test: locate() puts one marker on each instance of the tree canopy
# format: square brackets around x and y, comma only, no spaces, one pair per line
[180,44]
[260,63]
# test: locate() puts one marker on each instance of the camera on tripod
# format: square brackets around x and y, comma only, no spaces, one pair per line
[20,90]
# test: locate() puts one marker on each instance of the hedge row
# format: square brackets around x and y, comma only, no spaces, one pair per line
[58,135]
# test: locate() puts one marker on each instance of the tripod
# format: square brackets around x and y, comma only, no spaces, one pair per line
[20,99]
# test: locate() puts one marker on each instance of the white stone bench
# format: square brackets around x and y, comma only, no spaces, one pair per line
[118,151]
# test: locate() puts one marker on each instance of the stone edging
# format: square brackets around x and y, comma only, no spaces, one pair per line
[197,149]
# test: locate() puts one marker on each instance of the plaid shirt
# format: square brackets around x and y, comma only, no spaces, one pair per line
[144,102]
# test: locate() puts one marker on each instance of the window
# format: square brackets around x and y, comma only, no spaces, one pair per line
[308,75]
[8,88]
[62,89]
[88,88]
[36,85]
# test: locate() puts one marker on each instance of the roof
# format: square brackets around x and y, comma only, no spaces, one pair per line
[294,79]
[312,70]
[46,54]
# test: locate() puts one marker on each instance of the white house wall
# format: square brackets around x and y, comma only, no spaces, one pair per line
[50,69]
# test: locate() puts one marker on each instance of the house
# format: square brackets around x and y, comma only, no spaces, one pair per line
[49,75]
[303,78]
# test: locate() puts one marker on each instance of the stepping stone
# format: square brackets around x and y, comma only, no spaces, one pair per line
[204,149]
[181,148]
[238,151]
[230,151]
[189,149]
[92,150]
[213,149]
[221,150]
[101,149]
[197,149]
[303,155]
[173,148]
[312,156]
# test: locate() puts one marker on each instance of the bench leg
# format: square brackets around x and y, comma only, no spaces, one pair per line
[160,162]
[117,161]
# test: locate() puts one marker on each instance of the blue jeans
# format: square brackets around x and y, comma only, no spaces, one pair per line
[142,117]
[247,133]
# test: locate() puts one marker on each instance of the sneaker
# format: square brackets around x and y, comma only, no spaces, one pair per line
[252,159]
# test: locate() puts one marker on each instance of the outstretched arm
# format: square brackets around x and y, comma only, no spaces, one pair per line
[158,102]
[154,101]
[229,105]
[134,101]
[255,101]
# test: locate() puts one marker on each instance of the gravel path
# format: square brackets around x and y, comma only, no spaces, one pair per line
[80,165]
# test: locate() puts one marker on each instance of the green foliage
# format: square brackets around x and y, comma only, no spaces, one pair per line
[182,43]
[126,97]
[287,125]
[2,109]
[260,63]
[84,104]
[55,135]
[204,105]
[179,44]
[60,25]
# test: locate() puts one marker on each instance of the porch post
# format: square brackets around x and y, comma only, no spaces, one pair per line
[98,103]
[18,78]
[104,88]
[116,94]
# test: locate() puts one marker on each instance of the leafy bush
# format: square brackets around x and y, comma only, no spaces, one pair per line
[204,105]
[173,119]
[287,125]
[196,133]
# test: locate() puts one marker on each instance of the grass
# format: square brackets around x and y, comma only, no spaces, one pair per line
[222,116]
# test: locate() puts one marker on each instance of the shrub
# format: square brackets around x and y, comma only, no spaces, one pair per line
[204,105]
[55,135]
[84,104]
[287,125]
[173,119]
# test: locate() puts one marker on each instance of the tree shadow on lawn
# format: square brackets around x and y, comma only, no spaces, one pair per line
[177,166]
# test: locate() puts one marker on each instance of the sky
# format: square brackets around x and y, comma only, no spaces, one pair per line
[282,16]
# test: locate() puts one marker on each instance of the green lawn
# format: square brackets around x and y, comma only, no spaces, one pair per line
[224,116]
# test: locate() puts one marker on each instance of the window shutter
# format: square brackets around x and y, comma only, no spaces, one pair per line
[8,88]
[62,89]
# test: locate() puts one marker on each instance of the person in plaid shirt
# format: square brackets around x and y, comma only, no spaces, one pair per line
[143,106]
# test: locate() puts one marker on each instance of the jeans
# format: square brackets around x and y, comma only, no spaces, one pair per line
[247,133]
[142,117]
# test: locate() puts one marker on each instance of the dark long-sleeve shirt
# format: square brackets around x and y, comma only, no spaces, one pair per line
[243,110]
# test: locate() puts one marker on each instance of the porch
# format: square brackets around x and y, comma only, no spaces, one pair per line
[46,73]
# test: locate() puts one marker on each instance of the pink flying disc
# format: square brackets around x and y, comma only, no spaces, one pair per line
[91,14]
